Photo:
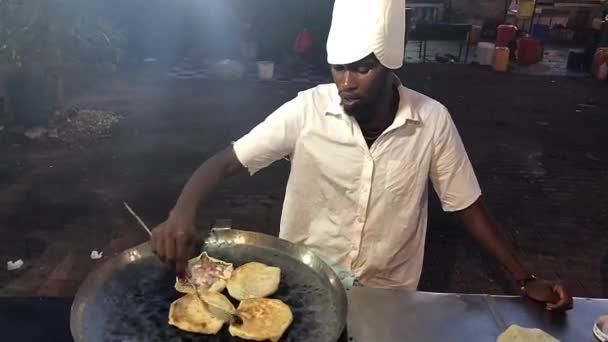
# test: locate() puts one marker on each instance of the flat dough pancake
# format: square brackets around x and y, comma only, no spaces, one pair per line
[263,319]
[253,280]
[188,313]
[515,333]
[217,301]
[207,273]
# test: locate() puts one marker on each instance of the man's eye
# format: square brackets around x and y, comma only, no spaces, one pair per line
[363,69]
[338,67]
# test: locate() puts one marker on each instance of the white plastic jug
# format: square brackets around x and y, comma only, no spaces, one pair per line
[485,53]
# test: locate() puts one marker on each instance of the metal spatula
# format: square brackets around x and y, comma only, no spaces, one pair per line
[217,311]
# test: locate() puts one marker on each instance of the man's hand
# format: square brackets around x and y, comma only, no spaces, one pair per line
[481,226]
[173,241]
[553,294]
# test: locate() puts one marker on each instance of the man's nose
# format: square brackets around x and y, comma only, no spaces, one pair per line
[349,81]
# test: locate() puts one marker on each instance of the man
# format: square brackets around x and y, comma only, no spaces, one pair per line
[362,150]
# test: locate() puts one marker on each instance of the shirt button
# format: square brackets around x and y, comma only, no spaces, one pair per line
[360,219]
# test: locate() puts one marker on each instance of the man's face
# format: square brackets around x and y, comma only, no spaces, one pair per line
[359,85]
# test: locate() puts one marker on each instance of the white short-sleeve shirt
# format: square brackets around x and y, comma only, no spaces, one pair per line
[364,210]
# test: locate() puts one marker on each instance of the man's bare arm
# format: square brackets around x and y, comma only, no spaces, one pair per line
[481,226]
[175,239]
[205,180]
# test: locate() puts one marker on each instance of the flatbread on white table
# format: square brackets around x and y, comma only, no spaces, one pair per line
[516,333]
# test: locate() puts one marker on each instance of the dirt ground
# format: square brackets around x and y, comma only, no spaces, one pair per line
[538,145]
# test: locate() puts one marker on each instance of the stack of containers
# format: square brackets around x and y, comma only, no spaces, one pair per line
[528,50]
[505,35]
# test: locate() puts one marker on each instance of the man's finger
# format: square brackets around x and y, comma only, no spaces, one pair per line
[161,250]
[564,302]
[183,248]
[561,292]
[564,296]
[154,242]
[156,239]
[170,251]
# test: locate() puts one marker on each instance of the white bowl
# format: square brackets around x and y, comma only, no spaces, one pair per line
[600,329]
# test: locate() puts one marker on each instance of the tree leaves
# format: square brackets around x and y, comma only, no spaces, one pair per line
[56,34]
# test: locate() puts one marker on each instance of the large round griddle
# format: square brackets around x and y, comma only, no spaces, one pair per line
[127,298]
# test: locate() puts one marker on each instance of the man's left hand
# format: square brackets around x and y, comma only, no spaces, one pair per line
[554,295]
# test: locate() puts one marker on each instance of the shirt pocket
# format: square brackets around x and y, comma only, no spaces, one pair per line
[401,177]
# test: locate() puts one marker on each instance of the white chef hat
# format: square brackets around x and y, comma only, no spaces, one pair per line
[362,27]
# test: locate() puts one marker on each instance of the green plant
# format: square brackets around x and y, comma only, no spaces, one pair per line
[56,34]
[45,40]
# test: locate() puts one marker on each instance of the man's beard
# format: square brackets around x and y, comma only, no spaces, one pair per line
[362,112]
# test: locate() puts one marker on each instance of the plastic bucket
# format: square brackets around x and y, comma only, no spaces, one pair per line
[265,70]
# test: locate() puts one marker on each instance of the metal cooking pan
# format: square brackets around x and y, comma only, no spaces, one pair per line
[128,297]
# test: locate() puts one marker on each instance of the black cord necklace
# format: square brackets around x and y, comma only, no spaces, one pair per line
[372,135]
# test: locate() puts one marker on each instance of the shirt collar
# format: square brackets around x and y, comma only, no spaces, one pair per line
[404,112]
